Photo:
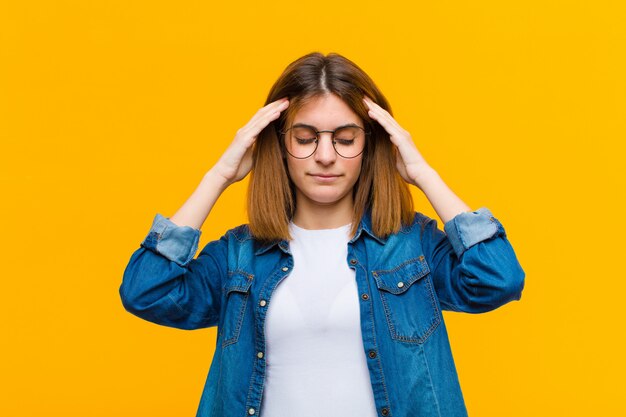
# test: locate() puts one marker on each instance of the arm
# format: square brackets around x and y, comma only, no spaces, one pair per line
[441,197]
[473,265]
[162,283]
[196,209]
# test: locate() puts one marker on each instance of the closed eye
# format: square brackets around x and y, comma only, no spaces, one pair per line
[305,141]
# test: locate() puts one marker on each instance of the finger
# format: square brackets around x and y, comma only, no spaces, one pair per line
[375,107]
[260,122]
[278,103]
[265,115]
[383,114]
[398,135]
[388,123]
[273,107]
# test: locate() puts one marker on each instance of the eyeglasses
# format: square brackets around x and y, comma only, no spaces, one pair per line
[301,140]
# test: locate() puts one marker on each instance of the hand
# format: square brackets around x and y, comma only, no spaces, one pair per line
[409,162]
[236,162]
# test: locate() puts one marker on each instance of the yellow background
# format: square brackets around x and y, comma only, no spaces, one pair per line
[111,111]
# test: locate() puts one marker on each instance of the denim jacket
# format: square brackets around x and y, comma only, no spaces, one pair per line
[404,282]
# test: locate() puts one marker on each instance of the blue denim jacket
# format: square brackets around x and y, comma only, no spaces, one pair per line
[404,282]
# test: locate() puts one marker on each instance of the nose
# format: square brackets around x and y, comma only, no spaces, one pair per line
[325,152]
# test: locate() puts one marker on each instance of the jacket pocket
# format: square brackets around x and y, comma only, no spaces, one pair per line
[236,292]
[408,298]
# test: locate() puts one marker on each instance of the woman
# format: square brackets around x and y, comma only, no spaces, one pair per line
[329,301]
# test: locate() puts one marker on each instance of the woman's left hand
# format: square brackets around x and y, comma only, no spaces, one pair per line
[410,163]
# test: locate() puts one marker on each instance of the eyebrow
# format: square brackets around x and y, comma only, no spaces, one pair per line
[315,128]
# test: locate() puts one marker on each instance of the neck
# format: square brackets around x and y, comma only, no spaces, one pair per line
[313,216]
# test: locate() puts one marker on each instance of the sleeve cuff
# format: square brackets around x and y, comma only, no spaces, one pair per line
[177,243]
[469,228]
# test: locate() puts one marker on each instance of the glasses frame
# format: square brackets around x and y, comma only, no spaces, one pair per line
[317,139]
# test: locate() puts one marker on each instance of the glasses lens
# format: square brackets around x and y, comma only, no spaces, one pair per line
[301,141]
[349,141]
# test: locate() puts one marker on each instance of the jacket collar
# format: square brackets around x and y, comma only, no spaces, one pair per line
[365,225]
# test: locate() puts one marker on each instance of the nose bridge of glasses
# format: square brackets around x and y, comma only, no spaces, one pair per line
[328,149]
[330,132]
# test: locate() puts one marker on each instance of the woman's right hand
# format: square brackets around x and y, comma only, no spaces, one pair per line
[236,162]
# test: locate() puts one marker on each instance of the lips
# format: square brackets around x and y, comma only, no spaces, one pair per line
[324,175]
[324,178]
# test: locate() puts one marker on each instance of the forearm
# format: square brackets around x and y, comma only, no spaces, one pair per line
[441,197]
[196,209]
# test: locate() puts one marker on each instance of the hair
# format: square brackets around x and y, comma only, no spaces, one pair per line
[380,188]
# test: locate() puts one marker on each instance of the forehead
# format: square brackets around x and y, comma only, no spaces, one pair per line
[326,112]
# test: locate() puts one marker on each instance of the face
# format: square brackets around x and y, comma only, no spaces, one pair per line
[325,178]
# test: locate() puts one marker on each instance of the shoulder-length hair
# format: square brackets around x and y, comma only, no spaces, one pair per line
[380,189]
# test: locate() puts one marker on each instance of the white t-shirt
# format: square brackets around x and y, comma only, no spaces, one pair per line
[315,361]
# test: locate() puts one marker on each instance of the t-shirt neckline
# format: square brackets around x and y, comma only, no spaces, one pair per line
[334,229]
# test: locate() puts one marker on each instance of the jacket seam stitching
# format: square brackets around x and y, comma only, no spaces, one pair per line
[242,312]
[431,381]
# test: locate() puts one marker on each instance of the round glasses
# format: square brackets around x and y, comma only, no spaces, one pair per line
[301,140]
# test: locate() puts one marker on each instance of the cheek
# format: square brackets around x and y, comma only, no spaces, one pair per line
[293,168]
[355,168]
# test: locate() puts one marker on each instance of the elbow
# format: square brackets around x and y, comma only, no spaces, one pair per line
[146,290]
[137,304]
[503,288]
[135,288]
[515,285]
[512,286]
[136,299]
[130,300]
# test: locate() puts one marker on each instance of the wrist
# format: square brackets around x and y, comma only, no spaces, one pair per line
[216,179]
[425,176]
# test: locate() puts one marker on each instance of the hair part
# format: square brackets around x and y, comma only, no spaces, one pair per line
[271,200]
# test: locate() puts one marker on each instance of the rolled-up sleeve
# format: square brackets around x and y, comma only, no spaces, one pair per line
[473,265]
[177,243]
[164,284]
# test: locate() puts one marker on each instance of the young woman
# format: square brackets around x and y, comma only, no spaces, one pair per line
[329,302]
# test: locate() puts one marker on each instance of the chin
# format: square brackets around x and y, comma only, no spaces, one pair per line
[325,198]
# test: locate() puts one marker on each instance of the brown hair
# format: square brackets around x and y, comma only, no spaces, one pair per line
[380,188]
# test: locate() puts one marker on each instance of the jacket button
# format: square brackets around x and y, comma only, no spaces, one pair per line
[400,284]
[262,303]
[385,411]
[251,411]
[372,354]
[365,296]
[259,355]
[353,261]
[285,269]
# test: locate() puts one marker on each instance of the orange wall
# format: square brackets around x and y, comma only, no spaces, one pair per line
[111,111]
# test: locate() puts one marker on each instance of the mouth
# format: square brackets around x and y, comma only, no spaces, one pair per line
[324,177]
